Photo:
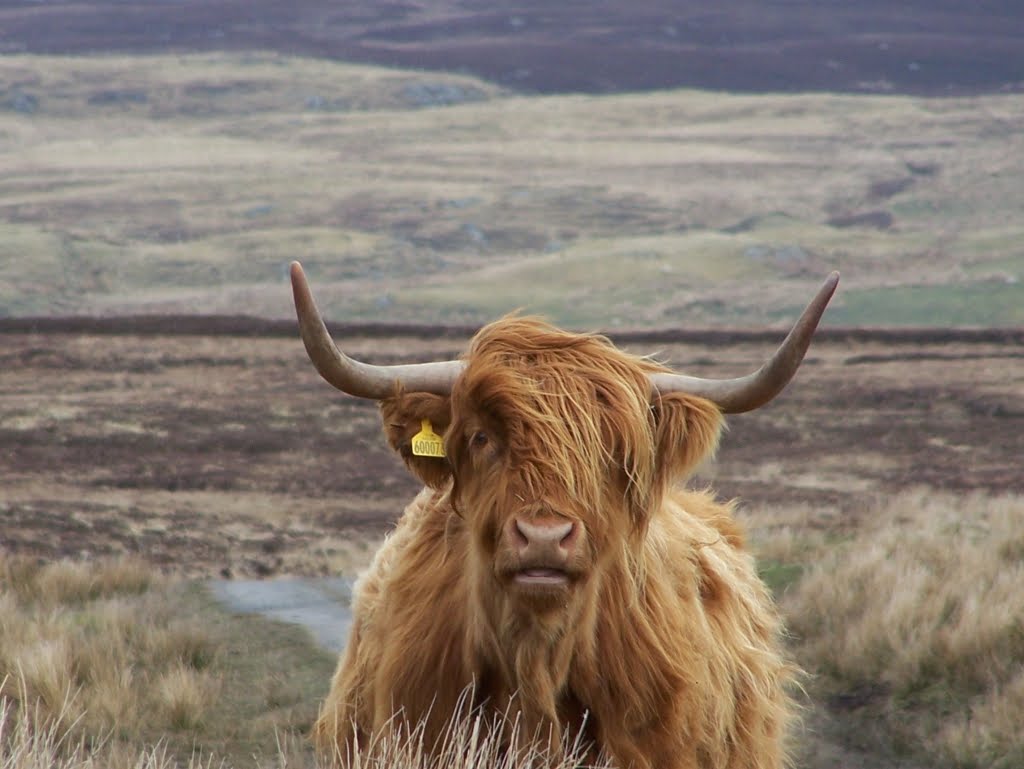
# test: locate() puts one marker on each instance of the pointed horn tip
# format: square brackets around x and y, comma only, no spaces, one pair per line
[301,292]
[824,295]
[831,282]
[305,306]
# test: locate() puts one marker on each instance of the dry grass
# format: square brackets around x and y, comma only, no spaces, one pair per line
[91,648]
[470,741]
[105,664]
[915,627]
[29,741]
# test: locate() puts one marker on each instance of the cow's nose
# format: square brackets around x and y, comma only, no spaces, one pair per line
[557,538]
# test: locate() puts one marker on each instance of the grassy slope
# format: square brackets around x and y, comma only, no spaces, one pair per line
[132,184]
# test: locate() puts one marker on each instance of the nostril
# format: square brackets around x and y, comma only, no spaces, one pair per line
[561,532]
[569,540]
[520,534]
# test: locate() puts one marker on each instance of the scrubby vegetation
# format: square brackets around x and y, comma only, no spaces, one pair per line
[94,651]
[913,627]
[109,664]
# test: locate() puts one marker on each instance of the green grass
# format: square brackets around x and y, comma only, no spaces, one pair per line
[972,304]
[588,284]
[779,576]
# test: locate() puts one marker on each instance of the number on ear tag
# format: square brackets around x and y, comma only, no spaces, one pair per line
[427,443]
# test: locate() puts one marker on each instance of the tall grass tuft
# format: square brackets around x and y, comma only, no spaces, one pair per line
[183,697]
[31,740]
[471,740]
[916,624]
[86,647]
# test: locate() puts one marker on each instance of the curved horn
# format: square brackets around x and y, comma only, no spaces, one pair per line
[734,396]
[353,377]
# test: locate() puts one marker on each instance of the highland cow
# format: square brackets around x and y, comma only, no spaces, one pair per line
[552,565]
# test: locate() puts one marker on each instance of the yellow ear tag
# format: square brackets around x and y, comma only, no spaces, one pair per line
[427,443]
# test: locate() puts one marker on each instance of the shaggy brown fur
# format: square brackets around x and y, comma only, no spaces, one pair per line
[664,649]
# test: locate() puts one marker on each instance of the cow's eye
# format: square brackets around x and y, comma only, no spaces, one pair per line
[479,439]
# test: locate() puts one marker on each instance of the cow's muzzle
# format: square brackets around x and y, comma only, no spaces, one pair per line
[544,550]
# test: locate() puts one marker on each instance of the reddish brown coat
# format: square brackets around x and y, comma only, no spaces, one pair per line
[664,641]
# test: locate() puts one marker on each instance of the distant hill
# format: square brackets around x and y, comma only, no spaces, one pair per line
[184,184]
[936,47]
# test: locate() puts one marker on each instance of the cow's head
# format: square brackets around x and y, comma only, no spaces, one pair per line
[557,446]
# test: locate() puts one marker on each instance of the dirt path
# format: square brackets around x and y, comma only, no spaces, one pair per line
[319,605]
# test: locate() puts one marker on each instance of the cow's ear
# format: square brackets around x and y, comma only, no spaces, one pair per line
[406,417]
[687,429]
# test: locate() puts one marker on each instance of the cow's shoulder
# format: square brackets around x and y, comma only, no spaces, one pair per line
[694,514]
[413,557]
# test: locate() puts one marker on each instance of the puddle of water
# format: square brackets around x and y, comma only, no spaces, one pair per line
[322,606]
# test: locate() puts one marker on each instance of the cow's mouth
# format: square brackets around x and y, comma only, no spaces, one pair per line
[541,577]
